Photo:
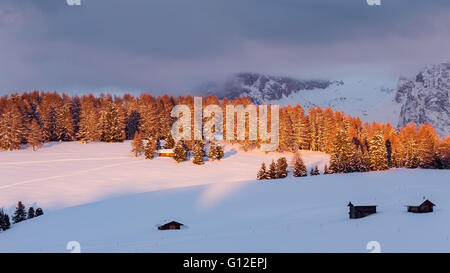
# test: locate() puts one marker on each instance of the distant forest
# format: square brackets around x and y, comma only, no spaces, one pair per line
[38,117]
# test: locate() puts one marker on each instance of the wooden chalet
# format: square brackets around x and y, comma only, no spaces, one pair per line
[426,206]
[165,152]
[360,211]
[170,225]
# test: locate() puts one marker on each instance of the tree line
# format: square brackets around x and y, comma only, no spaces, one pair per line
[20,214]
[38,117]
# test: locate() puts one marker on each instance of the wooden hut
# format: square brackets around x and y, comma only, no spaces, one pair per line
[360,211]
[426,206]
[170,225]
[165,152]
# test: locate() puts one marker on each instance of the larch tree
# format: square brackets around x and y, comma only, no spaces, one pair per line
[272,172]
[112,124]
[150,148]
[219,152]
[299,169]
[377,152]
[31,213]
[262,173]
[35,136]
[4,220]
[428,147]
[282,167]
[179,152]
[198,153]
[170,142]
[64,123]
[212,154]
[11,129]
[137,144]
[89,126]
[20,214]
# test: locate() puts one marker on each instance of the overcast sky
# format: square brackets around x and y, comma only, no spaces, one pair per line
[174,45]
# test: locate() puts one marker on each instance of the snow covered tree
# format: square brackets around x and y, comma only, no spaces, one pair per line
[39,212]
[170,142]
[4,220]
[412,155]
[219,152]
[150,117]
[343,158]
[20,214]
[314,171]
[137,145]
[31,213]
[112,124]
[377,152]
[428,147]
[150,149]
[179,152]
[262,173]
[282,167]
[11,129]
[326,170]
[272,172]
[89,125]
[198,153]
[64,129]
[212,154]
[35,136]
[299,167]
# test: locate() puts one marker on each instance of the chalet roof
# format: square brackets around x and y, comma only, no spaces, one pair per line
[165,151]
[172,223]
[428,202]
[351,205]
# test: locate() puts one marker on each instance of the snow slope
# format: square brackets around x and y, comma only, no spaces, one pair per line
[71,173]
[370,99]
[224,208]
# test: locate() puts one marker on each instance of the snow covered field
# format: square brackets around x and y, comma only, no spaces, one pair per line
[108,201]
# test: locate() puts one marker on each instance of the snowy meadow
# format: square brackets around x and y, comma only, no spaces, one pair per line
[109,201]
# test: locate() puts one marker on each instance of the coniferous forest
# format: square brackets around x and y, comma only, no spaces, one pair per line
[355,146]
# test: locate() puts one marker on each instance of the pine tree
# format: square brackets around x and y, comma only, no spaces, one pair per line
[212,154]
[316,170]
[179,152]
[64,123]
[377,152]
[262,173]
[198,153]
[89,125]
[39,212]
[428,147]
[113,125]
[272,173]
[282,167]
[299,167]
[137,145]
[219,152]
[150,149]
[170,142]
[20,214]
[31,213]
[35,136]
[4,220]
[444,153]
[343,158]
[11,129]
[326,170]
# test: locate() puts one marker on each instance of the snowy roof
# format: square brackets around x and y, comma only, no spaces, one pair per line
[165,151]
